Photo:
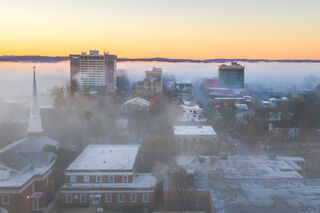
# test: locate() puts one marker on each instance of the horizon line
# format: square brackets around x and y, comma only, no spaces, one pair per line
[40,58]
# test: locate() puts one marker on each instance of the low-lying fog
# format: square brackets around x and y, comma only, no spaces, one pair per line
[16,77]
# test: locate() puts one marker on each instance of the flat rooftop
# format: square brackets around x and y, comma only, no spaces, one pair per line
[194,130]
[232,65]
[183,82]
[106,158]
[250,184]
[264,196]
[191,107]
[239,167]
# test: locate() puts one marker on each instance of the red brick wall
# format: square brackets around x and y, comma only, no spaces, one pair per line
[74,66]
[110,66]
[19,202]
[22,203]
[41,186]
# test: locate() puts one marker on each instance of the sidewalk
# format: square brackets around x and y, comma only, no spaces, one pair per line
[52,203]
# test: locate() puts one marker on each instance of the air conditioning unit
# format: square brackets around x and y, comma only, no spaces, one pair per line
[4,175]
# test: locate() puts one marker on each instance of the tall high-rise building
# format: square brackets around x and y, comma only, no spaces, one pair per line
[231,76]
[94,71]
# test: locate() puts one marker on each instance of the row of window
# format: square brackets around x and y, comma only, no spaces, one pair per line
[108,198]
[86,178]
[88,71]
[92,77]
[196,139]
[92,81]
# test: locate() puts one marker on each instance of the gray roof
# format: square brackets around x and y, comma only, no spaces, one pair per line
[251,196]
[27,152]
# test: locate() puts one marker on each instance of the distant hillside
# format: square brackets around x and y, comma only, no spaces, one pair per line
[33,58]
[54,59]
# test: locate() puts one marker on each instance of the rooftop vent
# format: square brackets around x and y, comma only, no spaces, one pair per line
[4,174]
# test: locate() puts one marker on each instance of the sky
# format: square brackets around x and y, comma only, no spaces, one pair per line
[195,29]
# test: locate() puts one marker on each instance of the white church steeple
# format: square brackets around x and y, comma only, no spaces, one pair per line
[35,125]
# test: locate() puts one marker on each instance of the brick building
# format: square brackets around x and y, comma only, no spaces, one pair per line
[152,83]
[153,80]
[26,183]
[104,176]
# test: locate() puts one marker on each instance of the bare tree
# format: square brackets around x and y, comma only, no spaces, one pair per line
[181,185]
[157,148]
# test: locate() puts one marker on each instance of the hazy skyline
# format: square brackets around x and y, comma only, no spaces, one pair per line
[273,29]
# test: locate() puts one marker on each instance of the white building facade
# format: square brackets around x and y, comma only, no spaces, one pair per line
[195,139]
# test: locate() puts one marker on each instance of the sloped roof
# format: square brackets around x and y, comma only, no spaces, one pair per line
[26,152]
[139,100]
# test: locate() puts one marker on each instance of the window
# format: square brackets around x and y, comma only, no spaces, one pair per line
[109,197]
[5,199]
[145,197]
[111,178]
[120,197]
[83,198]
[98,179]
[32,187]
[125,178]
[86,178]
[47,181]
[133,197]
[73,178]
[68,198]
